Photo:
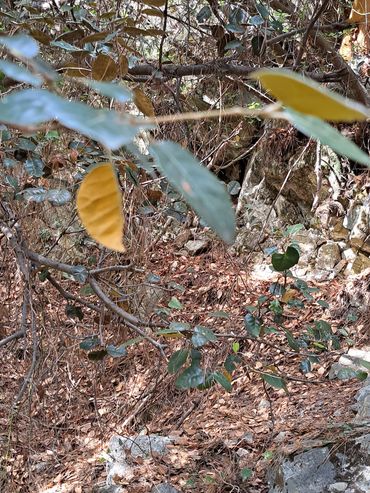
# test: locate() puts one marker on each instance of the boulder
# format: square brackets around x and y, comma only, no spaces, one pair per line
[328,256]
[196,247]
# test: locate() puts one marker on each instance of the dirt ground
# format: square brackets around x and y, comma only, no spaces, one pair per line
[74,405]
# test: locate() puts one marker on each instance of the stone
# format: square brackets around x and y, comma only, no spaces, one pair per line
[338,232]
[348,361]
[338,487]
[113,488]
[308,472]
[196,247]
[361,263]
[360,232]
[308,242]
[328,256]
[119,473]
[164,488]
[248,438]
[138,446]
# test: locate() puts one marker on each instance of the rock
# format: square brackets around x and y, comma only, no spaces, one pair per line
[264,404]
[137,446]
[119,473]
[328,256]
[338,487]
[308,472]
[308,242]
[360,232]
[164,488]
[339,232]
[248,438]
[348,362]
[196,247]
[108,489]
[361,263]
[363,405]
[182,238]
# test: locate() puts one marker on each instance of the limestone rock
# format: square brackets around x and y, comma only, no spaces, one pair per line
[138,446]
[350,361]
[360,231]
[196,247]
[308,472]
[164,488]
[328,256]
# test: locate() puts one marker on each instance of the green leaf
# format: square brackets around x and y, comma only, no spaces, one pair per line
[80,274]
[35,106]
[89,343]
[177,359]
[326,134]
[204,14]
[220,314]
[74,311]
[292,230]
[291,340]
[97,355]
[284,261]
[191,378]
[305,366]
[66,46]
[201,189]
[24,108]
[223,381]
[361,375]
[236,347]
[35,194]
[174,303]
[116,352]
[59,196]
[179,326]
[347,373]
[274,381]
[246,473]
[252,324]
[323,303]
[362,362]
[202,335]
[34,167]
[20,45]
[16,72]
[231,361]
[110,90]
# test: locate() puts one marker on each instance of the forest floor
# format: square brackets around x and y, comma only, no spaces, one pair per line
[57,440]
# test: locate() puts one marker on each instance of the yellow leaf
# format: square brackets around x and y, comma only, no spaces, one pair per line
[227,375]
[104,68]
[99,207]
[308,97]
[154,3]
[153,12]
[360,11]
[123,65]
[143,103]
[288,295]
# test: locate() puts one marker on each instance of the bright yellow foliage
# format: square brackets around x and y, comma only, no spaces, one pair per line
[310,98]
[99,205]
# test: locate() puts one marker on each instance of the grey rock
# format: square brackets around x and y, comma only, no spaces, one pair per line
[138,446]
[108,489]
[309,472]
[248,438]
[164,488]
[338,487]
[119,472]
[328,256]
[196,247]
[350,361]
[264,404]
